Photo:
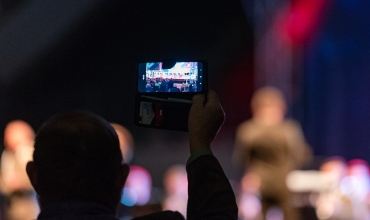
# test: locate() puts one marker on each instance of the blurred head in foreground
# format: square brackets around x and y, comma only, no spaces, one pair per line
[77,157]
[18,133]
[126,142]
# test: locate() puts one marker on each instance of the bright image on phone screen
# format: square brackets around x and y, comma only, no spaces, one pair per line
[182,77]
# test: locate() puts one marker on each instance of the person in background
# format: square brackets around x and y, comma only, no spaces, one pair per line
[126,142]
[332,202]
[14,182]
[138,186]
[357,183]
[270,146]
[176,189]
[249,197]
[78,171]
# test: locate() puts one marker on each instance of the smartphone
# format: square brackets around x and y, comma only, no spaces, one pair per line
[171,79]
[164,93]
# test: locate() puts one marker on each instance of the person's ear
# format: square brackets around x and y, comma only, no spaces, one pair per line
[122,176]
[32,175]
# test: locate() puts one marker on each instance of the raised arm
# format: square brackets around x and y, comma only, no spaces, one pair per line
[210,193]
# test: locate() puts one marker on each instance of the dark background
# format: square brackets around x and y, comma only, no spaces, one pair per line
[86,58]
[66,55]
[336,82]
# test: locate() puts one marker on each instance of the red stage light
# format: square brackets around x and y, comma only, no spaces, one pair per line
[302,19]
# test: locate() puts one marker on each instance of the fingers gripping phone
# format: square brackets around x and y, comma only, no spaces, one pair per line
[165,90]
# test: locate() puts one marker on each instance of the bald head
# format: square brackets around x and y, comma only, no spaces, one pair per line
[77,156]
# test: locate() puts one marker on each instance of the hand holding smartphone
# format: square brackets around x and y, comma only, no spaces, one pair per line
[164,93]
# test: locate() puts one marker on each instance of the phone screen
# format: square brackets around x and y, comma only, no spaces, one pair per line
[181,77]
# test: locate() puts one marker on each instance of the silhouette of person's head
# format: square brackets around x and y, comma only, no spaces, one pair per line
[77,157]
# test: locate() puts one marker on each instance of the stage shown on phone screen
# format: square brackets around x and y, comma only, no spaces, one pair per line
[182,77]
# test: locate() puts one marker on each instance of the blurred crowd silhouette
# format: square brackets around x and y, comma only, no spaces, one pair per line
[278,181]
